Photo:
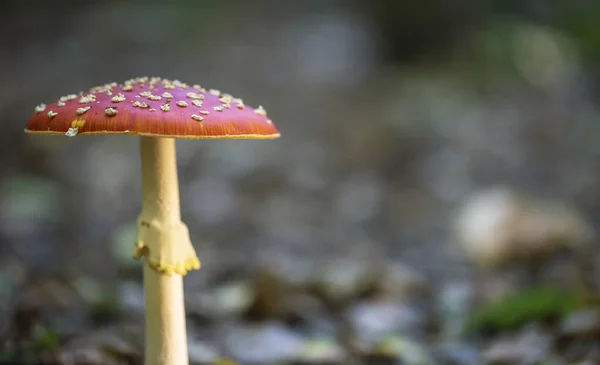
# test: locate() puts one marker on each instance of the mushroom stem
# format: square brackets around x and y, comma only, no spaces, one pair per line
[166,339]
[166,342]
[160,186]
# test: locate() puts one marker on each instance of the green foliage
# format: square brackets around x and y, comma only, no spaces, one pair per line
[581,24]
[528,306]
[46,340]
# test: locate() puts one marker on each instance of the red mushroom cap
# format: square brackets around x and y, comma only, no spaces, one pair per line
[152,107]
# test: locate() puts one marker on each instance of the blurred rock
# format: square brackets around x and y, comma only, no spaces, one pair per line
[485,226]
[342,280]
[582,323]
[373,320]
[498,225]
[528,348]
[264,343]
[457,353]
[409,352]
[397,280]
[322,351]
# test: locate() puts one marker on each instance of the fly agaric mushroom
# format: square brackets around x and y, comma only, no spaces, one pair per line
[158,110]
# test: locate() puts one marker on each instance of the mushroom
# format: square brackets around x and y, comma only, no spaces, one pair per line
[158,111]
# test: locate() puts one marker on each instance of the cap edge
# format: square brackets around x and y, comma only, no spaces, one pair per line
[231,136]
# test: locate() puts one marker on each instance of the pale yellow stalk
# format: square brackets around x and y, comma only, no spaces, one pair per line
[163,240]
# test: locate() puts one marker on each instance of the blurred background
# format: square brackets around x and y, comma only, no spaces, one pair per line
[434,197]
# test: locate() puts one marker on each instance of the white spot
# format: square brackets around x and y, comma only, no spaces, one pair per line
[90,98]
[80,111]
[104,88]
[52,114]
[110,111]
[68,97]
[205,112]
[192,95]
[40,108]
[136,103]
[60,103]
[118,98]
[260,111]
[165,107]
[151,110]
[197,117]
[240,105]
[197,102]
[127,87]
[72,132]
[218,108]
[167,95]
[154,97]
[181,103]
[215,92]
[145,94]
